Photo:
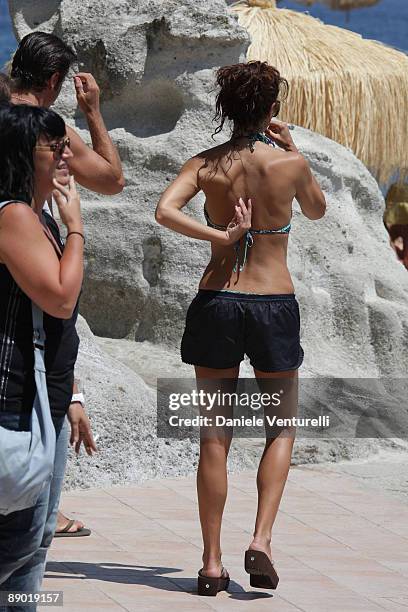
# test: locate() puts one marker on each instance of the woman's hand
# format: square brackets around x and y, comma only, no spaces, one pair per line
[80,429]
[240,223]
[67,199]
[278,131]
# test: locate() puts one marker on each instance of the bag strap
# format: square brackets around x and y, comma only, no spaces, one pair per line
[38,329]
[49,205]
[38,341]
[3,204]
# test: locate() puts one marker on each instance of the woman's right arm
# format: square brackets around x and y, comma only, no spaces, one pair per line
[53,284]
[169,209]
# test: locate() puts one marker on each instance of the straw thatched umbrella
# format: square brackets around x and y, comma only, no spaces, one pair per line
[352,90]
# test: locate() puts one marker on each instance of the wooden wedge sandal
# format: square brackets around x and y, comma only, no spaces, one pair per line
[209,586]
[261,572]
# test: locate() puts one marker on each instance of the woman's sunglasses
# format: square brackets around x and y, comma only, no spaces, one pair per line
[55,147]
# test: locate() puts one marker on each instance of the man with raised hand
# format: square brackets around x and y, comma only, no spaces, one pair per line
[39,67]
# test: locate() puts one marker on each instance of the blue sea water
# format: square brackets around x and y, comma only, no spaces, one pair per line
[387,21]
[7,38]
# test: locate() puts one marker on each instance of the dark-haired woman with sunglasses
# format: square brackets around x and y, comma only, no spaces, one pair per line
[36,266]
[246,302]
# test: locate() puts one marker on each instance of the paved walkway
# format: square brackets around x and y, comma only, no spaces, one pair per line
[338,547]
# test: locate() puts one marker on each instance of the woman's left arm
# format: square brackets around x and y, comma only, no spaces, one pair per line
[180,192]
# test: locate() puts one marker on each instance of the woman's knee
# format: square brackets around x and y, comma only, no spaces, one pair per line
[215,447]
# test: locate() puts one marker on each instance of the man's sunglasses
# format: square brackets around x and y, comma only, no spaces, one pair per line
[55,147]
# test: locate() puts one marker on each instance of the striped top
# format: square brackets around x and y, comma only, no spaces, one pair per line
[17,386]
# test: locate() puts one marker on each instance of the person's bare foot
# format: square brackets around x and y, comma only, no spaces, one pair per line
[62,522]
[263,545]
[213,568]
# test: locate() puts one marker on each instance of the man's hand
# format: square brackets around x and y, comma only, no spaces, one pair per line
[80,429]
[87,92]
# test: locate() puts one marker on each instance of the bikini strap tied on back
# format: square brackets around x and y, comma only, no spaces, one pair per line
[249,241]
[248,236]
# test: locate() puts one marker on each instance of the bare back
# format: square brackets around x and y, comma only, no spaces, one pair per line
[267,175]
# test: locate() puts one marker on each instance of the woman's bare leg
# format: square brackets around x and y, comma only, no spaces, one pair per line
[273,468]
[212,470]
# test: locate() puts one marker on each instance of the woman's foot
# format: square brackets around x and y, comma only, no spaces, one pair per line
[263,545]
[63,522]
[211,585]
[213,568]
[69,528]
[219,572]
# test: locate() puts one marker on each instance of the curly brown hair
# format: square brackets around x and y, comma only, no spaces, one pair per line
[247,92]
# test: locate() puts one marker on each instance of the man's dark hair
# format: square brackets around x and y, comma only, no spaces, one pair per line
[5,91]
[21,126]
[38,56]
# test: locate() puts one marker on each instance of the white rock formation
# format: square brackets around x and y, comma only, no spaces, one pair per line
[121,402]
[155,64]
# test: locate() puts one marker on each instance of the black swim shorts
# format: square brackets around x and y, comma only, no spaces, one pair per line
[222,326]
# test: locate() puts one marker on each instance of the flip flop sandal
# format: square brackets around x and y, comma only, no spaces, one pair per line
[211,586]
[66,533]
[260,569]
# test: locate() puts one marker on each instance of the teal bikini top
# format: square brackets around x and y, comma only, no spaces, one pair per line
[248,236]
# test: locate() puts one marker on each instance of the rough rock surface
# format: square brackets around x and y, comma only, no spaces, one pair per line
[118,380]
[152,361]
[155,64]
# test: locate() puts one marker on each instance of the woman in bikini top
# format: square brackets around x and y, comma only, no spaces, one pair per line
[246,302]
[248,236]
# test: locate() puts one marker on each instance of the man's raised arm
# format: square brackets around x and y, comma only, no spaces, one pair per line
[99,168]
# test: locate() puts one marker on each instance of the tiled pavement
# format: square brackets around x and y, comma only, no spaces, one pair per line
[338,547]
